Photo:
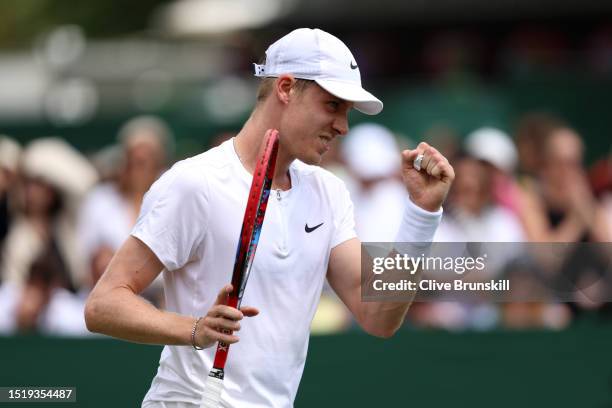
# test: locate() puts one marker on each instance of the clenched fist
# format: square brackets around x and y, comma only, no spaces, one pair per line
[429,185]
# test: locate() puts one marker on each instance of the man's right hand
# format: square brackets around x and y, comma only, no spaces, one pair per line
[221,318]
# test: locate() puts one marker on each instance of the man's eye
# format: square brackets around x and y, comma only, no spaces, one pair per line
[333,104]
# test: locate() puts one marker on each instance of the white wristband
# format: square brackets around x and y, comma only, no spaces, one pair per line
[418,225]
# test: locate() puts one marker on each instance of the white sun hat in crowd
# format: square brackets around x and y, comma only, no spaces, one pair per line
[371,151]
[53,160]
[316,55]
[493,146]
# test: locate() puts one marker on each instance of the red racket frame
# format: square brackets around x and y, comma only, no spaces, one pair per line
[249,235]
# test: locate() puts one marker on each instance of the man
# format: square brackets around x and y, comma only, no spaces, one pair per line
[191,219]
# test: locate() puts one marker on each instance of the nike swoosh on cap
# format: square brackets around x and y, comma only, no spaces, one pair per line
[353,66]
[310,229]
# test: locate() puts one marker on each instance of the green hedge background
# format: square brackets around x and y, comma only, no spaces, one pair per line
[572,368]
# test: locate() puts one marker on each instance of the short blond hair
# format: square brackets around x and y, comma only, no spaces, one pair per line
[267,84]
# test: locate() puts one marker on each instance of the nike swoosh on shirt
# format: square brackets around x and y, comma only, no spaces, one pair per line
[310,229]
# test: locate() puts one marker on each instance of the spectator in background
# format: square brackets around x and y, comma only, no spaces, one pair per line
[479,210]
[110,210]
[557,203]
[41,265]
[473,215]
[108,162]
[499,156]
[378,195]
[561,206]
[10,152]
[531,133]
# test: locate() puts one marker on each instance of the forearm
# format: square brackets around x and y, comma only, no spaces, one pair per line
[115,309]
[429,184]
[121,313]
[414,237]
[382,319]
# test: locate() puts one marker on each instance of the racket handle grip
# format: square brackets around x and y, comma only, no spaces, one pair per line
[212,393]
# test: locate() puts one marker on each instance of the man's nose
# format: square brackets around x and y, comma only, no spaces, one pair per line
[341,125]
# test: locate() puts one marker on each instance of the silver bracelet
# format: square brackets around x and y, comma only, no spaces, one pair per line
[193,333]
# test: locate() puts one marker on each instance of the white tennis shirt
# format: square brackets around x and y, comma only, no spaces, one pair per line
[191,219]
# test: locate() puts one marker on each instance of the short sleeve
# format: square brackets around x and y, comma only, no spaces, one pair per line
[173,217]
[344,218]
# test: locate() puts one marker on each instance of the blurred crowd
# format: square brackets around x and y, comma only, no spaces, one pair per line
[531,186]
[63,215]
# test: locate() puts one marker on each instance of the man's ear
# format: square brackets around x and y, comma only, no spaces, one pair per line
[283,86]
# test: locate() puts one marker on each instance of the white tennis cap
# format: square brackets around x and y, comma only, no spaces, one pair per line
[494,146]
[370,151]
[316,55]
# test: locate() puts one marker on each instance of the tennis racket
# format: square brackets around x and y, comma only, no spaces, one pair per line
[245,253]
